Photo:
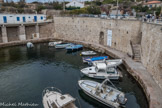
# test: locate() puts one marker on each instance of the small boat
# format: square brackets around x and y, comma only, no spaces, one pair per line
[54,43]
[97,58]
[29,45]
[86,53]
[52,98]
[109,96]
[109,63]
[100,71]
[63,45]
[74,47]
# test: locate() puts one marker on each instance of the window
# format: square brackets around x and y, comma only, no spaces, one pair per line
[41,17]
[18,18]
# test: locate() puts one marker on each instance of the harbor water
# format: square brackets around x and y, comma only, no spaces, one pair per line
[24,73]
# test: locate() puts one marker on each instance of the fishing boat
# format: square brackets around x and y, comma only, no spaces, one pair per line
[109,96]
[63,45]
[88,53]
[52,98]
[97,58]
[29,45]
[74,47]
[52,44]
[100,71]
[109,63]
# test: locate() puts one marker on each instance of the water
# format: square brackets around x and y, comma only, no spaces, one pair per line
[24,73]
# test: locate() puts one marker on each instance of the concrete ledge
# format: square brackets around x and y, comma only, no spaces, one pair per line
[137,70]
[14,43]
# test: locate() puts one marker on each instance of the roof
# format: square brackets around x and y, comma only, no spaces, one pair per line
[101,66]
[153,2]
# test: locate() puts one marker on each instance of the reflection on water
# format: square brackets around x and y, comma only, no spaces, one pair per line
[24,73]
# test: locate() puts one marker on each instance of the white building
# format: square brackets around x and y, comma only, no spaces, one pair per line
[21,18]
[75,3]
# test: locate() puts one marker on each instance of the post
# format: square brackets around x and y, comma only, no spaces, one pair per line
[22,35]
[4,34]
[36,31]
[64,5]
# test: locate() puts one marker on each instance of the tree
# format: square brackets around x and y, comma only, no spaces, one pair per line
[94,10]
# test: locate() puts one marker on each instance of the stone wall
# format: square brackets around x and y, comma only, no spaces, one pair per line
[151,50]
[12,34]
[90,29]
[29,30]
[46,30]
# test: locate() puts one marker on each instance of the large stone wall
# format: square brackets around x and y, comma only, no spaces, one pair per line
[90,29]
[151,50]
[46,30]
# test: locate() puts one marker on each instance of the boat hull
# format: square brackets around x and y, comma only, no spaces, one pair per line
[97,99]
[102,77]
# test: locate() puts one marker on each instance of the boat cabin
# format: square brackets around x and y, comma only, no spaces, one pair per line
[59,101]
[102,67]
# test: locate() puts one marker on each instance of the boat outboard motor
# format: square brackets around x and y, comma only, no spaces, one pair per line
[121,98]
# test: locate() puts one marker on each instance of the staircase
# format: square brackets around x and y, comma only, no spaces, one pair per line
[136,52]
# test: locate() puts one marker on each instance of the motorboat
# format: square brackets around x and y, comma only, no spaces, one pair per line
[88,53]
[74,47]
[29,45]
[97,58]
[107,95]
[109,63]
[52,44]
[52,98]
[63,45]
[100,71]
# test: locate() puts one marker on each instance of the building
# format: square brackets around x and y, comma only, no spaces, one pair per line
[154,3]
[32,6]
[21,18]
[75,3]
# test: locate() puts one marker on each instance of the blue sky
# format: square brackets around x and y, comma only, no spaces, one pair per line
[47,0]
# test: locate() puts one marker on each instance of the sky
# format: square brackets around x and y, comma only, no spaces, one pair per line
[47,0]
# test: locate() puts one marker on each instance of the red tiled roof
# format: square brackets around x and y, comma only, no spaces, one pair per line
[153,2]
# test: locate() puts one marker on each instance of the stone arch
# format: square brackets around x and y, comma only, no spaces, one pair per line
[101,38]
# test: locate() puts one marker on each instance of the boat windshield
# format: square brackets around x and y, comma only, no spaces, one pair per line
[53,105]
[111,70]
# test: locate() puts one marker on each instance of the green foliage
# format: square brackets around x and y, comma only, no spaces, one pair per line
[93,10]
[57,6]
[79,11]
[39,8]
[86,10]
[72,8]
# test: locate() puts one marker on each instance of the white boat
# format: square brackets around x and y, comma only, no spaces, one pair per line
[103,93]
[52,98]
[100,71]
[86,53]
[54,43]
[109,63]
[29,45]
[63,45]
